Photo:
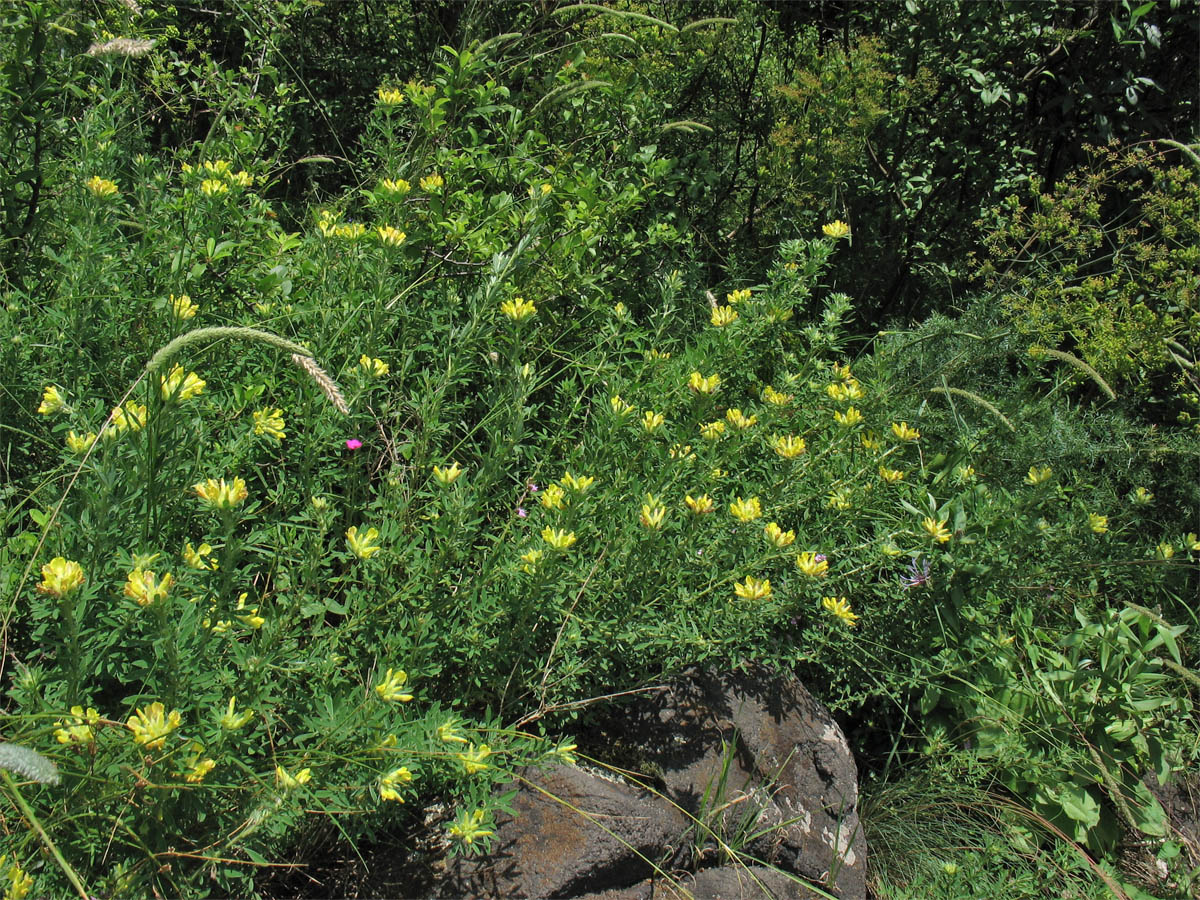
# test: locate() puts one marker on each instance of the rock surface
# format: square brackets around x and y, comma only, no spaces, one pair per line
[746,768]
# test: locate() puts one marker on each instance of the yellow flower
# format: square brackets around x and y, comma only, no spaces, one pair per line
[1038,474]
[788,446]
[1098,523]
[52,401]
[363,547]
[903,432]
[777,313]
[197,767]
[182,307]
[389,97]
[179,386]
[431,183]
[712,431]
[395,186]
[870,441]
[703,385]
[652,421]
[745,510]
[558,538]
[753,589]
[530,561]
[700,505]
[620,408]
[390,689]
[269,422]
[814,565]
[963,474]
[1192,542]
[447,732]
[374,367]
[554,497]
[79,730]
[150,726]
[146,589]
[518,309]
[736,297]
[841,371]
[621,311]
[211,187]
[197,558]
[130,417]
[349,231]
[840,499]
[473,758]
[251,619]
[448,475]
[290,782]
[389,236]
[393,779]
[655,354]
[891,476]
[101,187]
[19,882]
[723,315]
[740,421]
[219,494]
[936,528]
[469,828]
[234,721]
[849,418]
[1165,550]
[1141,497]
[580,484]
[220,167]
[653,513]
[841,392]
[778,536]
[682,451]
[80,445]
[242,179]
[836,229]
[774,397]
[839,607]
[717,473]
[60,577]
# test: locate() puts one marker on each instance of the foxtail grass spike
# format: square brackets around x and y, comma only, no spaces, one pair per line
[1076,362]
[327,385]
[28,764]
[977,400]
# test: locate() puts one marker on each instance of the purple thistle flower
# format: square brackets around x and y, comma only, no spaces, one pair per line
[918,575]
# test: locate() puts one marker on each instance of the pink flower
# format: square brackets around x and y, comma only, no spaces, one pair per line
[521,511]
[532,487]
[353,444]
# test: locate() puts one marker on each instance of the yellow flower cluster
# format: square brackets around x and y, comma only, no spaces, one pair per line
[473,758]
[390,236]
[849,418]
[80,444]
[518,309]
[788,446]
[753,589]
[620,408]
[291,782]
[653,513]
[701,384]
[836,229]
[903,432]
[1038,475]
[558,538]
[468,828]
[52,401]
[182,307]
[391,689]
[102,187]
[151,725]
[60,577]
[936,529]
[448,475]
[433,182]
[146,589]
[746,510]
[178,386]
[740,421]
[723,315]
[392,780]
[736,297]
[130,417]
[373,366]
[814,565]
[774,397]
[652,421]
[397,187]
[554,497]
[390,98]
[363,546]
[777,536]
[712,431]
[701,505]
[580,485]
[77,730]
[839,608]
[219,494]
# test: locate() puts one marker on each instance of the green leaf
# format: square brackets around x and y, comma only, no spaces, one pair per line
[1078,803]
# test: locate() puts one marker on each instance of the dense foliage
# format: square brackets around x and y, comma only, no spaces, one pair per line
[372,408]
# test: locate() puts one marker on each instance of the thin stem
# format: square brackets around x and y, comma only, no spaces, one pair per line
[41,833]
